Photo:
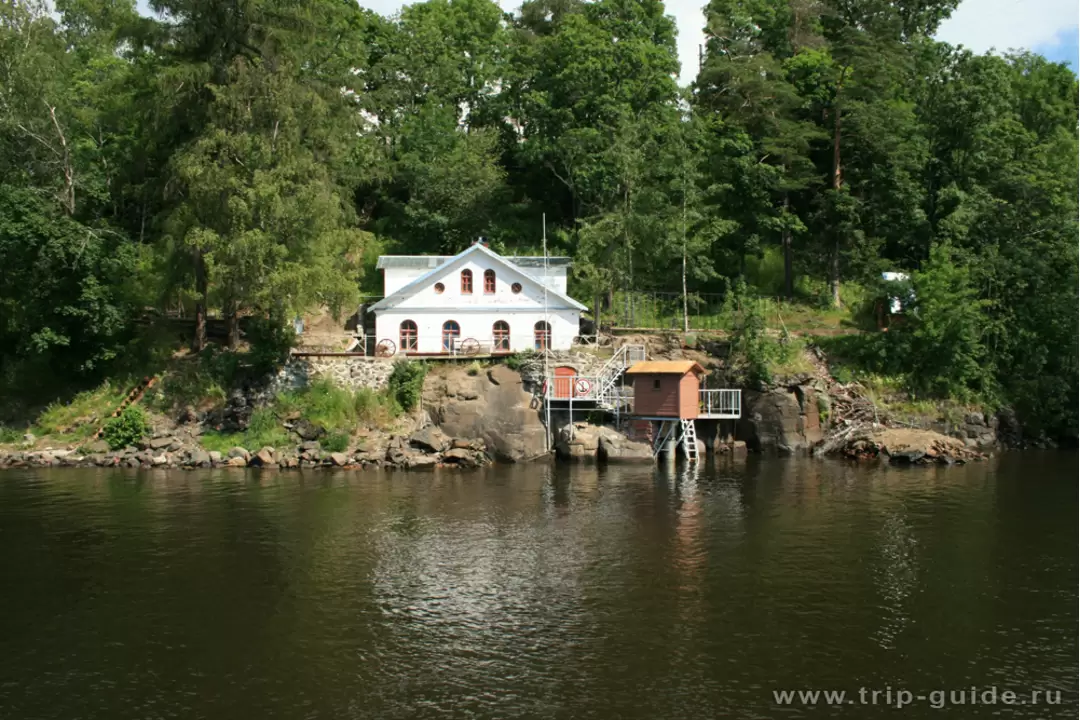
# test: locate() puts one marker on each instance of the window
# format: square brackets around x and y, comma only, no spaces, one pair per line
[450,331]
[542,335]
[500,331]
[656,383]
[515,288]
[439,287]
[489,282]
[466,282]
[407,335]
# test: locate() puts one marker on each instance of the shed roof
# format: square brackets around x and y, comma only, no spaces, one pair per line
[665,367]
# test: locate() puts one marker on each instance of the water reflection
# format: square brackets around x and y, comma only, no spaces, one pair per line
[564,592]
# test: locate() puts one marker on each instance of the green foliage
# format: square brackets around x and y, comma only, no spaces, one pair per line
[264,430]
[337,409]
[751,348]
[127,428]
[406,383]
[239,158]
[336,442]
[200,381]
[518,360]
[474,368]
[80,417]
[271,338]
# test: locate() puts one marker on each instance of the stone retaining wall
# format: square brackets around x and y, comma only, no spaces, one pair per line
[350,372]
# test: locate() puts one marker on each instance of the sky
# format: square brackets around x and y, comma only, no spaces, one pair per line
[1049,27]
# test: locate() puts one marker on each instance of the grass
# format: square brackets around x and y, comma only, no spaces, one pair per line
[264,430]
[790,358]
[81,417]
[336,410]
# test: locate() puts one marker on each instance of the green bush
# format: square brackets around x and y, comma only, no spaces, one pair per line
[336,442]
[374,408]
[127,428]
[406,383]
[271,338]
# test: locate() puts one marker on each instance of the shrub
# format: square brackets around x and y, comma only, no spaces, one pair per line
[271,338]
[407,383]
[474,369]
[126,428]
[336,442]
[374,408]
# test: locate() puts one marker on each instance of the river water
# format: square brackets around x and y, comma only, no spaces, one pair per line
[540,592]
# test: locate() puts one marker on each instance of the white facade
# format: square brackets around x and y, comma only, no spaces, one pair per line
[396,277]
[428,298]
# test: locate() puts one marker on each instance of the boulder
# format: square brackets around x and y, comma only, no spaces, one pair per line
[264,458]
[420,461]
[616,447]
[239,452]
[307,430]
[431,439]
[160,443]
[579,441]
[160,459]
[781,420]
[237,461]
[311,445]
[29,438]
[463,457]
[493,407]
[200,458]
[215,457]
[339,459]
[98,446]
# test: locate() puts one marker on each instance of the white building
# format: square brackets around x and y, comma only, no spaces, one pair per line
[474,302]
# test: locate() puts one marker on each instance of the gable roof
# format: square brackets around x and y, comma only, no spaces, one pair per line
[665,367]
[403,292]
[431,261]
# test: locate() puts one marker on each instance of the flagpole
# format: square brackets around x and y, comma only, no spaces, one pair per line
[548,334]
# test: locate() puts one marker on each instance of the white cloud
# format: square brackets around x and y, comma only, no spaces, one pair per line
[1004,24]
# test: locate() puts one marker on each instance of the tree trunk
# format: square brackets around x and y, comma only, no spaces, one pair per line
[232,325]
[837,182]
[198,341]
[685,303]
[785,239]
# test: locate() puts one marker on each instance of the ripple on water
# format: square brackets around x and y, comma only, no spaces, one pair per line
[531,591]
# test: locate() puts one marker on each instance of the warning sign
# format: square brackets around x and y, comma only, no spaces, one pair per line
[582,387]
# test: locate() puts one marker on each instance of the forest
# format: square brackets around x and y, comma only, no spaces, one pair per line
[252,158]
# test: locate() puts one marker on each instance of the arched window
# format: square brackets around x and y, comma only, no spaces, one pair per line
[489,282]
[407,335]
[500,331]
[542,335]
[466,282]
[450,332]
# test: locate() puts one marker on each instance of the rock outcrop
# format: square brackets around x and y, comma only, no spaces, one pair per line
[784,420]
[585,442]
[493,407]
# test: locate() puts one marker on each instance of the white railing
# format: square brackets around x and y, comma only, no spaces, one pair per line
[721,403]
[457,345]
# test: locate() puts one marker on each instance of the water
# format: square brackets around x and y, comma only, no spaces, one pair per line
[537,592]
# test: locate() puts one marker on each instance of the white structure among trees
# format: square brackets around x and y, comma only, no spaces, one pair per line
[474,302]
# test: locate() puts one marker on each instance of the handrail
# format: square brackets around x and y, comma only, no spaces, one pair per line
[725,403]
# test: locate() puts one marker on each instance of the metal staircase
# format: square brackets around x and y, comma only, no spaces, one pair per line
[608,391]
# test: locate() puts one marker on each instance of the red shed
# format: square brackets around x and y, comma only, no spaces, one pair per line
[666,388]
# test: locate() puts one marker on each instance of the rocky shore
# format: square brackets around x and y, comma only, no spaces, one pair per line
[428,447]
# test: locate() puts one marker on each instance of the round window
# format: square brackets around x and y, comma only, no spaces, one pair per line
[439,287]
[516,288]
